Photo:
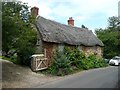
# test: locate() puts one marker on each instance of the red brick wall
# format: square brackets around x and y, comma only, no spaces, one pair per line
[71,21]
[49,51]
[35,11]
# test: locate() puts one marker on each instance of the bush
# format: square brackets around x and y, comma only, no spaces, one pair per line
[25,54]
[92,62]
[61,65]
[11,59]
[100,63]
[26,46]
[72,60]
[75,56]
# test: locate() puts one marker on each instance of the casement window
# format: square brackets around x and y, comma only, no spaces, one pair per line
[79,48]
[61,47]
[38,42]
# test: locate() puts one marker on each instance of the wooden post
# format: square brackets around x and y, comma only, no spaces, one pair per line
[46,56]
[45,53]
[35,63]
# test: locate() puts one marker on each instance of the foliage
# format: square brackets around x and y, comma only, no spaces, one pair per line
[92,62]
[71,60]
[61,65]
[83,26]
[110,37]
[18,32]
[12,59]
[74,55]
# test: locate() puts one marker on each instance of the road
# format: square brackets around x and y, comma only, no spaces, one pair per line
[94,78]
[0,74]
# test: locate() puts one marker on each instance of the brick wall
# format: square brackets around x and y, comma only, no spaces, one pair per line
[49,49]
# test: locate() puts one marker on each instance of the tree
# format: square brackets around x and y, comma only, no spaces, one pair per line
[18,30]
[110,37]
[9,26]
[83,26]
[113,22]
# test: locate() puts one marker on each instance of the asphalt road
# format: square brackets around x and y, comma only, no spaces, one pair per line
[95,78]
[0,75]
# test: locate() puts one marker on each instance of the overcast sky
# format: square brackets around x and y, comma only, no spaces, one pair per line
[91,13]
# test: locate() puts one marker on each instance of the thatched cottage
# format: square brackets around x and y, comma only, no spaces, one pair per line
[53,35]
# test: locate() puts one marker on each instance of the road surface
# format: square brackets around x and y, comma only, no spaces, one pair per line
[0,74]
[94,78]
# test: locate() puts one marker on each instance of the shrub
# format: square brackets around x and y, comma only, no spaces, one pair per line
[72,60]
[100,63]
[24,55]
[61,65]
[75,56]
[95,62]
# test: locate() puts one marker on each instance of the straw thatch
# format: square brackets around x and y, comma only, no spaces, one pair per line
[52,31]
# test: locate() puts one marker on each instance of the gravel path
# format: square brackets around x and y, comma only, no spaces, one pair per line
[15,76]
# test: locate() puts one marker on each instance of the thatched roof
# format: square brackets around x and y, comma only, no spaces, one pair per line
[53,31]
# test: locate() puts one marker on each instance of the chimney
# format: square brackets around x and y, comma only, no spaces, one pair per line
[34,11]
[71,22]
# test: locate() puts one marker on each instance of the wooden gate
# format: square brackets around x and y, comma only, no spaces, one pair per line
[39,62]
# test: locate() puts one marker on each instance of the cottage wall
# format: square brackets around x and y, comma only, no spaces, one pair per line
[49,49]
[39,44]
[99,51]
[96,50]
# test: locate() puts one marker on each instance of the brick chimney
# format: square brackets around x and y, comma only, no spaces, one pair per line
[34,11]
[71,22]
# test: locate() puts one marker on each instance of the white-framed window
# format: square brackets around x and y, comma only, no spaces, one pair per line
[79,48]
[60,47]
[38,42]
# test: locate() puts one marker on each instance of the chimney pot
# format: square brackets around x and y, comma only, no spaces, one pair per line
[71,21]
[34,11]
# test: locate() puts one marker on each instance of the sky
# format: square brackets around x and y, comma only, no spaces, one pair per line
[91,13]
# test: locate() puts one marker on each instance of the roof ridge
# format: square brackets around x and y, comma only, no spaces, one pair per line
[64,24]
